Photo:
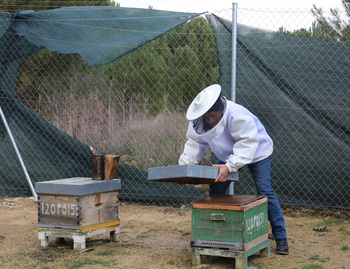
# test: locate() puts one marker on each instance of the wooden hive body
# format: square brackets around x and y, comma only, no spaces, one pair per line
[78,204]
[235,222]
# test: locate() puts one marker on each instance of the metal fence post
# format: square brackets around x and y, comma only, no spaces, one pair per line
[234,59]
[18,154]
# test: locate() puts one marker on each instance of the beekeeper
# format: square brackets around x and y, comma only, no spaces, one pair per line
[237,138]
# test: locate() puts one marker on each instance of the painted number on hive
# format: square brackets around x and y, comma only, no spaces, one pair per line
[255,222]
[59,209]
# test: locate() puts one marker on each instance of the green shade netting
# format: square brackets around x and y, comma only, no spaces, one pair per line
[299,87]
[287,81]
[100,35]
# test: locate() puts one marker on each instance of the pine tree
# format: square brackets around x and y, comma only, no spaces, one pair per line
[336,27]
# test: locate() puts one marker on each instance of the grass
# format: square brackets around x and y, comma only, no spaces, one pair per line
[85,261]
[142,140]
[105,253]
[312,266]
[147,140]
[318,258]
[345,248]
[342,229]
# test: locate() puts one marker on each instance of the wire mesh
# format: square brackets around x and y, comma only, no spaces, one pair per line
[135,107]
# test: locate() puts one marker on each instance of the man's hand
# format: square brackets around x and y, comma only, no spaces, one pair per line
[222,176]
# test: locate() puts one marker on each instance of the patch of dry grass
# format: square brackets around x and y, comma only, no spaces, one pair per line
[126,129]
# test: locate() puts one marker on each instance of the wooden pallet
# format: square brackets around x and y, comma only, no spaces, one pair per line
[111,228]
[240,256]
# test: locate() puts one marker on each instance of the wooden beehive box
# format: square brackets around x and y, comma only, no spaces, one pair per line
[236,222]
[78,204]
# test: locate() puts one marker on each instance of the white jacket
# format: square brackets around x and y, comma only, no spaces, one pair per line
[238,139]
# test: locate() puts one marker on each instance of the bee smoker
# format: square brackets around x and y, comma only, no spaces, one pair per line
[97,164]
[103,166]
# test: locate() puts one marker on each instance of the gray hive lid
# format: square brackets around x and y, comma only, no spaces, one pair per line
[76,186]
[187,174]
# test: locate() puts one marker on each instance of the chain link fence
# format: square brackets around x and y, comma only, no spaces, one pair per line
[135,107]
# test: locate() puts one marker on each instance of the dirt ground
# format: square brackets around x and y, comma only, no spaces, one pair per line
[159,237]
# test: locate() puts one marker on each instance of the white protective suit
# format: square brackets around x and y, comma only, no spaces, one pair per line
[238,139]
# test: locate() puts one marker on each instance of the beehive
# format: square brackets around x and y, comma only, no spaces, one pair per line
[77,208]
[230,225]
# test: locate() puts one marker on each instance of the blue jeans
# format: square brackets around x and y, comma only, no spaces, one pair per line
[261,174]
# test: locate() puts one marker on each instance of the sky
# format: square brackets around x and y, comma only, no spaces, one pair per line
[212,5]
[272,21]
